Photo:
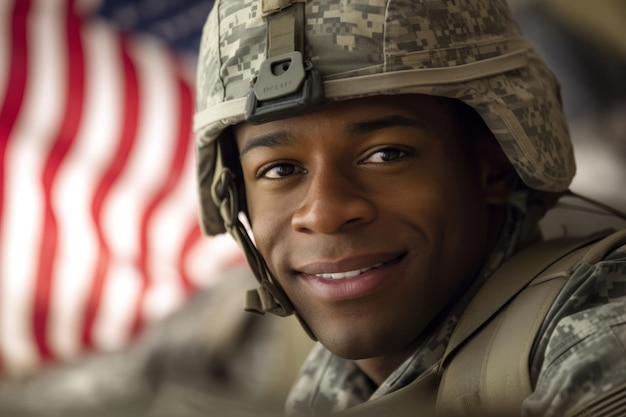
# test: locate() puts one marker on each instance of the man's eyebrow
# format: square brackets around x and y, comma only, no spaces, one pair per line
[369,126]
[282,138]
[269,140]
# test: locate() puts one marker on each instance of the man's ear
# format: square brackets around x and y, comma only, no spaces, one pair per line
[498,177]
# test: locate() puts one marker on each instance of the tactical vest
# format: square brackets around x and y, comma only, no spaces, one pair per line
[485,369]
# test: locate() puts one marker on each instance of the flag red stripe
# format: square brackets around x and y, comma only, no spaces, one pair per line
[61,145]
[194,233]
[18,60]
[16,88]
[126,141]
[193,236]
[183,139]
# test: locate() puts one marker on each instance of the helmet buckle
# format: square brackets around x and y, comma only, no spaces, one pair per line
[286,86]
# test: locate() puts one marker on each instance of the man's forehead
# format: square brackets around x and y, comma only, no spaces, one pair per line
[350,130]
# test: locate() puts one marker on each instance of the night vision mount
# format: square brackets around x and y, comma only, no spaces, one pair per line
[286,86]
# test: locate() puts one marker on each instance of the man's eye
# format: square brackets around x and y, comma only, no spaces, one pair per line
[277,171]
[385,155]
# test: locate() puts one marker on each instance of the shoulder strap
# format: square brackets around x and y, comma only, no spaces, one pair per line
[508,281]
[486,363]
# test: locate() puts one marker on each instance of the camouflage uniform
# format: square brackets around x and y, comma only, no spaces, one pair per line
[470,50]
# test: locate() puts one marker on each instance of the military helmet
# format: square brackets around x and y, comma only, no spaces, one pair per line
[263,60]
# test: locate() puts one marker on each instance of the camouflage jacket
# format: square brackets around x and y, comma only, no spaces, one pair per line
[579,355]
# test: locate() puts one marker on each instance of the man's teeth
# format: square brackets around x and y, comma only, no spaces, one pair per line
[348,274]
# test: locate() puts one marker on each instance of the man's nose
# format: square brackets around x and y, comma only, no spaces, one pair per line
[334,202]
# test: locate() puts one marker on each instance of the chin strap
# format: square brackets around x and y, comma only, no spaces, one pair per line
[604,207]
[269,297]
[284,67]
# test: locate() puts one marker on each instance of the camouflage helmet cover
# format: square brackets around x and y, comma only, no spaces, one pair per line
[470,50]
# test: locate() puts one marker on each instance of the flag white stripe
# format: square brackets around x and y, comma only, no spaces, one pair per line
[167,230]
[112,325]
[29,141]
[172,220]
[163,286]
[148,161]
[8,290]
[90,155]
[147,167]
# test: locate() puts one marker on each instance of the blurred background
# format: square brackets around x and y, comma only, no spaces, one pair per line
[585,45]
[108,290]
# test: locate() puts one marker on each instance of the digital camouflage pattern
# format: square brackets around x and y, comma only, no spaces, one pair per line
[582,353]
[379,47]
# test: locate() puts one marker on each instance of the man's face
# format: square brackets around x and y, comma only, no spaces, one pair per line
[370,214]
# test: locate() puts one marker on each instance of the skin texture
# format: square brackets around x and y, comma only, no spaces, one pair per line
[388,183]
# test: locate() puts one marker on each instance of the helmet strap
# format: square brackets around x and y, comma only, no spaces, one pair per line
[285,28]
[269,297]
[286,84]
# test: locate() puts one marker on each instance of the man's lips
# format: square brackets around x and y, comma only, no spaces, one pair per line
[347,268]
[351,278]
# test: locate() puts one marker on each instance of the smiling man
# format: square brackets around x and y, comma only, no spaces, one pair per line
[375,196]
[384,165]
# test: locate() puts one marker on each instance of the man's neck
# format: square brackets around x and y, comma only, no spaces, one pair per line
[378,369]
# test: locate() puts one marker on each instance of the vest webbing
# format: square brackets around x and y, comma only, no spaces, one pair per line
[485,369]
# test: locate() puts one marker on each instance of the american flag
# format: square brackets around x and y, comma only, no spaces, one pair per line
[98,214]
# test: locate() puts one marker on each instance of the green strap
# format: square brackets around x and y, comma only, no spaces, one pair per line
[486,366]
[509,280]
[286,28]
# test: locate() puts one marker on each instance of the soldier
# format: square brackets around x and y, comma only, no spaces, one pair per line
[384,165]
